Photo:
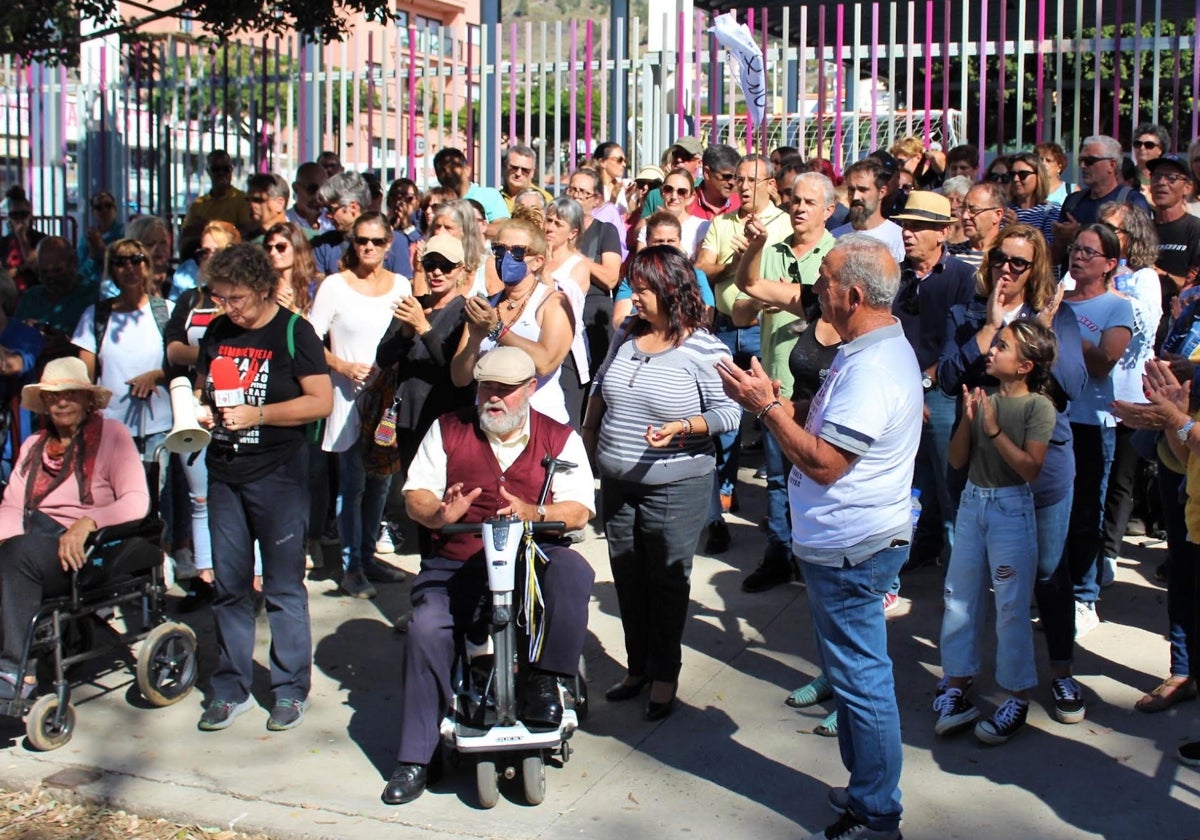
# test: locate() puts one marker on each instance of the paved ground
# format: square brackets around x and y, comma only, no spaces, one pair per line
[733,761]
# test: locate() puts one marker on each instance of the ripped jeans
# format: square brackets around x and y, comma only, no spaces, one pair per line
[995,547]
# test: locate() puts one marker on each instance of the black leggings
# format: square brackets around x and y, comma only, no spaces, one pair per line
[30,572]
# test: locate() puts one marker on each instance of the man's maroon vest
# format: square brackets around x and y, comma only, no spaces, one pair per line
[470,460]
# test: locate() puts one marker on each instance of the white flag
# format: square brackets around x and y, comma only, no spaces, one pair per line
[752,73]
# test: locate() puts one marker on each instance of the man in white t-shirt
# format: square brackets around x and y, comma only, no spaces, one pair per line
[867,191]
[852,451]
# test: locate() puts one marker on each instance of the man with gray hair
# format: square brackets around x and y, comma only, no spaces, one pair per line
[347,196]
[852,448]
[520,165]
[776,281]
[1099,159]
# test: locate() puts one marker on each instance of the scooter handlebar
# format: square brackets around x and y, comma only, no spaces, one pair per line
[476,527]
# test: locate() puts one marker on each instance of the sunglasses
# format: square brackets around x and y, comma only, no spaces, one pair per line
[202,254]
[1022,174]
[999,259]
[667,189]
[106,205]
[220,168]
[371,240]
[1092,160]
[311,189]
[132,259]
[277,247]
[518,251]
[433,262]
[620,160]
[1000,177]
[521,170]
[723,177]
[1147,144]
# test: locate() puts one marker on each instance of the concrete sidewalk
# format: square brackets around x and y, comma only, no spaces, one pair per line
[732,761]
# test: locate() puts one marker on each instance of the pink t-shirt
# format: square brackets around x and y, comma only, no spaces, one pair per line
[119,492]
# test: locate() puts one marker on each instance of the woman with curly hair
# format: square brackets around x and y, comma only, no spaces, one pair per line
[655,406]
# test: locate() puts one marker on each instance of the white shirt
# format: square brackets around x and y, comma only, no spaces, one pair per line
[889,233]
[132,345]
[428,468]
[871,405]
[355,324]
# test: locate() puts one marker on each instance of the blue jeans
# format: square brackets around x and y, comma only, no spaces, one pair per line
[1181,573]
[852,633]
[274,511]
[1094,450]
[195,470]
[742,343]
[779,528]
[360,508]
[1052,590]
[935,529]
[995,545]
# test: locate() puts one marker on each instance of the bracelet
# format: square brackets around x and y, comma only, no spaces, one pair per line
[767,410]
[494,332]
[993,437]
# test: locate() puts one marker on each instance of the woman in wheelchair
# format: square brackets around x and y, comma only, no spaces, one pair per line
[80,473]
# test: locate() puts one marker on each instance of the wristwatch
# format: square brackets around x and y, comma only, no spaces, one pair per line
[927,382]
[1182,433]
[541,512]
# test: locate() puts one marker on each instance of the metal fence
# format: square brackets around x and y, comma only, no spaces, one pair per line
[841,79]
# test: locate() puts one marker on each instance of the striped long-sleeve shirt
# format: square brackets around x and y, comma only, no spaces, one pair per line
[650,389]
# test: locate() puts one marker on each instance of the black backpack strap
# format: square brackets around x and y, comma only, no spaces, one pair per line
[100,318]
[158,308]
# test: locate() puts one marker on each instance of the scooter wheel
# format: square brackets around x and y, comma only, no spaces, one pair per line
[487,783]
[533,776]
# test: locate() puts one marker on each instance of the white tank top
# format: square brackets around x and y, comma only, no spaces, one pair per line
[567,285]
[548,398]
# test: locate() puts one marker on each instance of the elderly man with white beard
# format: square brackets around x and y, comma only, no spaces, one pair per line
[474,464]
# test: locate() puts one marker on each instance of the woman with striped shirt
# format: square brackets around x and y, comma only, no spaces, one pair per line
[655,406]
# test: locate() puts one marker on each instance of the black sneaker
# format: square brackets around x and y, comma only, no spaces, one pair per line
[221,713]
[1068,700]
[719,538]
[287,714]
[774,570]
[381,572]
[955,712]
[850,826]
[1004,723]
[1189,754]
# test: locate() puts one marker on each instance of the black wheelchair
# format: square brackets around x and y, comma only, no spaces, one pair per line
[124,569]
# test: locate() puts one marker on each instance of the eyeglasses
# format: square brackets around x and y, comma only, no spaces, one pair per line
[435,262]
[1000,177]
[999,259]
[1022,174]
[518,251]
[723,177]
[202,254]
[232,301]
[132,259]
[1169,177]
[1092,160]
[104,205]
[363,241]
[277,247]
[520,170]
[579,192]
[968,210]
[742,179]
[258,199]
[1147,144]
[1086,253]
[667,189]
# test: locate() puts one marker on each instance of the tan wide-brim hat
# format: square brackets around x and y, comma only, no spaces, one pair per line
[925,206]
[65,374]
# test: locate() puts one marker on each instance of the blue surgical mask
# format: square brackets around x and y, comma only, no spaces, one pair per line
[511,270]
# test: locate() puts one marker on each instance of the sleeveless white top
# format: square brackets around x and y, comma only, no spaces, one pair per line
[567,285]
[548,398]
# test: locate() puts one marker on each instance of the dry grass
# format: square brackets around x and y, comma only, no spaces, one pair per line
[40,814]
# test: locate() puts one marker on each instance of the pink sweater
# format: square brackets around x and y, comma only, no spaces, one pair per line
[119,492]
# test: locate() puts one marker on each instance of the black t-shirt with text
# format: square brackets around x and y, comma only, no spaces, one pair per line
[269,374]
[1179,246]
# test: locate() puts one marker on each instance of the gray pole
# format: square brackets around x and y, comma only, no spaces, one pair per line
[487,170]
[618,115]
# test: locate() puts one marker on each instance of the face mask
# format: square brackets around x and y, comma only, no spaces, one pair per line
[511,270]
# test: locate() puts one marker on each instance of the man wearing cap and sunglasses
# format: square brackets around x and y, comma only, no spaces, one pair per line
[686,152]
[931,282]
[1171,186]
[474,464]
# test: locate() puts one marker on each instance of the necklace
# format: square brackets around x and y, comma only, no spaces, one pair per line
[512,304]
[524,301]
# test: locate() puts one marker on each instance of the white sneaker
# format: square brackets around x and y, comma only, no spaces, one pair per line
[1086,619]
[1108,572]
[384,544]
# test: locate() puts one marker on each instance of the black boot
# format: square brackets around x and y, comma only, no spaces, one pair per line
[777,568]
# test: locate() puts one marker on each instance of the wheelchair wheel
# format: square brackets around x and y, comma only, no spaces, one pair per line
[533,777]
[487,783]
[43,733]
[166,667]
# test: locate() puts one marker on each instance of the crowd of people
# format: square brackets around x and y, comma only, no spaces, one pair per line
[1011,350]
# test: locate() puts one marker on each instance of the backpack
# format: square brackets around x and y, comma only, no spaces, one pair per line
[1072,200]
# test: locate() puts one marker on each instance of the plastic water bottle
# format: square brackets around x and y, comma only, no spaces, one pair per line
[1122,278]
[916,507]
